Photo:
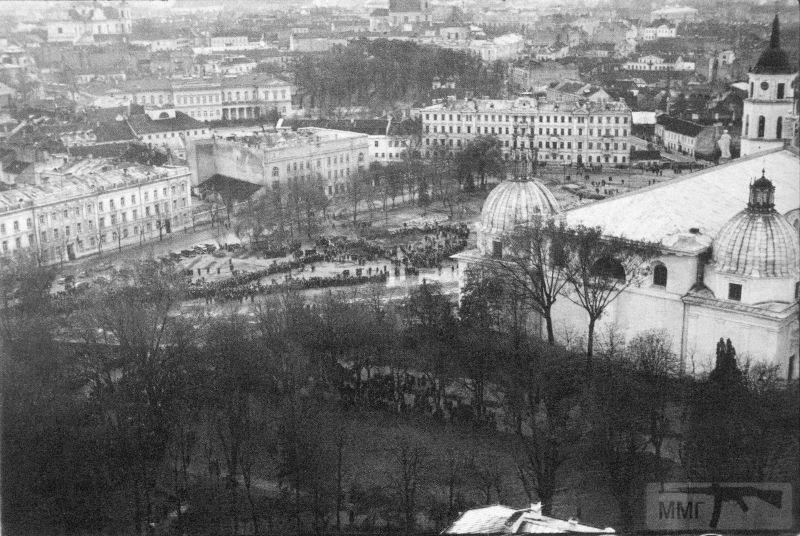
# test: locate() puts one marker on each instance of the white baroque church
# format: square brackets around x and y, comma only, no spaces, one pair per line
[729,239]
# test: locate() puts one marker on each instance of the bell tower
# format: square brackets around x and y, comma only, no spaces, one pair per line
[767,115]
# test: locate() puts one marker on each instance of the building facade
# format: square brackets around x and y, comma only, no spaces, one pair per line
[89,20]
[275,159]
[728,261]
[91,206]
[580,132]
[242,97]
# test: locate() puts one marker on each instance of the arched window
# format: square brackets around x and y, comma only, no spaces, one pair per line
[360,157]
[761,124]
[608,268]
[275,171]
[660,275]
[779,128]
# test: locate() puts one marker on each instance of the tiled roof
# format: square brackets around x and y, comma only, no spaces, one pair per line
[380,12]
[706,200]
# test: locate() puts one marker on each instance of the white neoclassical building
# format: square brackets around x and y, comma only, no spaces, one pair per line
[729,261]
[768,119]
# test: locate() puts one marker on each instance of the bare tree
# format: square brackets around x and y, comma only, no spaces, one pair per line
[599,269]
[533,266]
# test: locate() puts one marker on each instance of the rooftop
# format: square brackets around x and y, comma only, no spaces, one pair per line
[82,178]
[143,124]
[673,124]
[705,200]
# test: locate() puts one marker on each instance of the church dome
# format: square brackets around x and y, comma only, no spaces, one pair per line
[514,202]
[758,241]
[774,60]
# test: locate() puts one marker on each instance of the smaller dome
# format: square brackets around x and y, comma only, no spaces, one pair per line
[515,202]
[758,241]
[512,203]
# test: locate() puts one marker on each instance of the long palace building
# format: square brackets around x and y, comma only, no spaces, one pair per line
[580,132]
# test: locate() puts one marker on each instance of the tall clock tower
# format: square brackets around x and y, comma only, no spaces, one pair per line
[767,117]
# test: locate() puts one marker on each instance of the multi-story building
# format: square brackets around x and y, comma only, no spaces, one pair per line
[212,99]
[278,158]
[89,20]
[579,132]
[91,206]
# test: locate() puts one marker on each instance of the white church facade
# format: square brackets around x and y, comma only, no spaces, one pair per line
[729,262]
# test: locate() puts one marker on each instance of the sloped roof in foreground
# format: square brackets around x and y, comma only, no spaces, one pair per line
[705,200]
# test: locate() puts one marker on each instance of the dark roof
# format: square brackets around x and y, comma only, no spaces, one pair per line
[111,131]
[380,12]
[142,124]
[774,60]
[673,124]
[229,187]
[402,6]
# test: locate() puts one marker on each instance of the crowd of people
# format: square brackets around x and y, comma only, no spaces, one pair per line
[405,393]
[212,293]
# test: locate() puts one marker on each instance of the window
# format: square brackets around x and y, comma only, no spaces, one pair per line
[761,124]
[660,275]
[608,268]
[734,292]
[781,90]
[497,249]
[779,128]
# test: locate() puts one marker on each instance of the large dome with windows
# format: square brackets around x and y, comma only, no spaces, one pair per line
[758,241]
[512,203]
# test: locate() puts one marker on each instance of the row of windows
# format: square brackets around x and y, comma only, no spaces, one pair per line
[300,166]
[211,98]
[172,134]
[591,159]
[125,233]
[399,143]
[542,118]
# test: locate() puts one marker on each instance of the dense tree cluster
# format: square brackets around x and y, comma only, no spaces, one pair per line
[123,415]
[378,73]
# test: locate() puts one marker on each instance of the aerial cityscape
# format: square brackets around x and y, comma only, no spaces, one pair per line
[399,267]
